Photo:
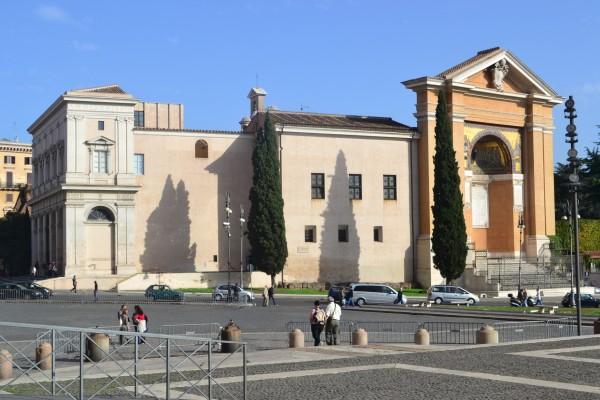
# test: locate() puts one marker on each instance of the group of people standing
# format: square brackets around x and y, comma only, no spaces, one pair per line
[328,319]
[139,321]
[523,299]
[268,296]
[51,270]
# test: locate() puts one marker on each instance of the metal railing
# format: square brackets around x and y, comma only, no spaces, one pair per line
[449,332]
[545,272]
[147,365]
[19,296]
[344,334]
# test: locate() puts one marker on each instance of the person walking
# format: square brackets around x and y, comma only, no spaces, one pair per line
[74,280]
[265,295]
[123,316]
[349,297]
[272,295]
[140,322]
[525,298]
[317,322]
[95,290]
[538,297]
[33,271]
[333,313]
[399,299]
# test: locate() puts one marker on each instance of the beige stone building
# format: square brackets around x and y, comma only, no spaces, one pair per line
[122,187]
[15,172]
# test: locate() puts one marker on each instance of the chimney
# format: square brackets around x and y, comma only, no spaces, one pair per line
[257,100]
[244,122]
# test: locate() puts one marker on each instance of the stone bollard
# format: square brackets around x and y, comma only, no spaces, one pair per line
[97,346]
[422,337]
[6,367]
[43,356]
[233,333]
[486,335]
[597,327]
[296,338]
[360,337]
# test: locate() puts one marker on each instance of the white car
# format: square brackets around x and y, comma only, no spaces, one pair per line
[451,295]
[237,293]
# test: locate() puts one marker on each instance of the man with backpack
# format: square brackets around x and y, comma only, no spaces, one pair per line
[317,322]
[333,313]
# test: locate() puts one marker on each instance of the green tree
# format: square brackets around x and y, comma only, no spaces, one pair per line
[266,224]
[449,238]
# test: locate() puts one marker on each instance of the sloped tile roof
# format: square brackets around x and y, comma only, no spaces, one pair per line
[111,89]
[337,121]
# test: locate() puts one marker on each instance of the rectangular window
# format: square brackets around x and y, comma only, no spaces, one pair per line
[138,164]
[355,186]
[310,234]
[317,185]
[27,160]
[389,187]
[9,178]
[138,119]
[9,159]
[343,233]
[9,197]
[100,162]
[29,178]
[378,233]
[100,125]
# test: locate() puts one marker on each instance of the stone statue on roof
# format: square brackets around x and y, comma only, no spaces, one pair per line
[500,71]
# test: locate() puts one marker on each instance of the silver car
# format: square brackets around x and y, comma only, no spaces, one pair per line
[237,293]
[373,293]
[451,294]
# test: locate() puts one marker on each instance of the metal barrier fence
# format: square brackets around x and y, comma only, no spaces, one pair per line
[147,365]
[449,332]
[19,296]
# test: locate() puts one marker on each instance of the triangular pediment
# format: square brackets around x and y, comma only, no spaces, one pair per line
[498,69]
[100,141]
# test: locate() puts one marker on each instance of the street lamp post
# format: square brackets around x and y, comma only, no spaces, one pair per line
[571,114]
[227,226]
[567,217]
[521,226]
[242,221]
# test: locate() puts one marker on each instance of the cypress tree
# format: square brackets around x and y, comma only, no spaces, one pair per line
[449,238]
[266,224]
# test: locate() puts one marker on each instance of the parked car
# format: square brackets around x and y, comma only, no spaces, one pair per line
[451,294]
[237,293]
[152,288]
[16,291]
[587,300]
[46,293]
[374,293]
[163,292]
[336,292]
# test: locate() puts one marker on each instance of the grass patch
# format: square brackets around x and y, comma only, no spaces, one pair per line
[588,312]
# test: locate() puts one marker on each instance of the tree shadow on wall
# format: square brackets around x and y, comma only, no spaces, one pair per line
[167,243]
[339,261]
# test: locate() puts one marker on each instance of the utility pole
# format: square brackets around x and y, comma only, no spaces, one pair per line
[242,221]
[521,226]
[227,226]
[571,114]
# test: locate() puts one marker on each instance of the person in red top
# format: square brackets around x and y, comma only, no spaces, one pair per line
[140,321]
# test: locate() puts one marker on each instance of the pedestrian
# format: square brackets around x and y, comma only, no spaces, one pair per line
[140,322]
[95,290]
[272,295]
[33,271]
[349,296]
[538,297]
[123,316]
[525,297]
[74,289]
[399,299]
[333,313]
[317,322]
[265,295]
[36,266]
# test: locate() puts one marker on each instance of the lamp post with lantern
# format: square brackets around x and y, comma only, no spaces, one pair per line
[571,114]
[242,222]
[521,226]
[227,226]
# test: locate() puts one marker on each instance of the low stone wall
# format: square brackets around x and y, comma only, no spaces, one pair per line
[193,280]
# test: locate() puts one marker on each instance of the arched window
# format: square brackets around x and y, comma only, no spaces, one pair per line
[201,149]
[101,214]
[491,156]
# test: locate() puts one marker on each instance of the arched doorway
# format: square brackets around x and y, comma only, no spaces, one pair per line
[100,240]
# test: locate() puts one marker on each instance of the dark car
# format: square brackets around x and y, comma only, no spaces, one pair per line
[46,293]
[163,292]
[16,291]
[587,300]
[152,288]
[337,292]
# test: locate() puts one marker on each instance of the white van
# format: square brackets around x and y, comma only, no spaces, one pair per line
[373,293]
[451,294]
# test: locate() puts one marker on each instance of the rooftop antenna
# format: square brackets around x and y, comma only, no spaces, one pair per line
[256,79]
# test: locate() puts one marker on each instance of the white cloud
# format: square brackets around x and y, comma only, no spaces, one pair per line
[52,13]
[84,46]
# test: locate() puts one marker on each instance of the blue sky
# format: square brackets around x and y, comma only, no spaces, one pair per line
[325,56]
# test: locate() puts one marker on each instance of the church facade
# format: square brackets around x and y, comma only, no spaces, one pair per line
[122,187]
